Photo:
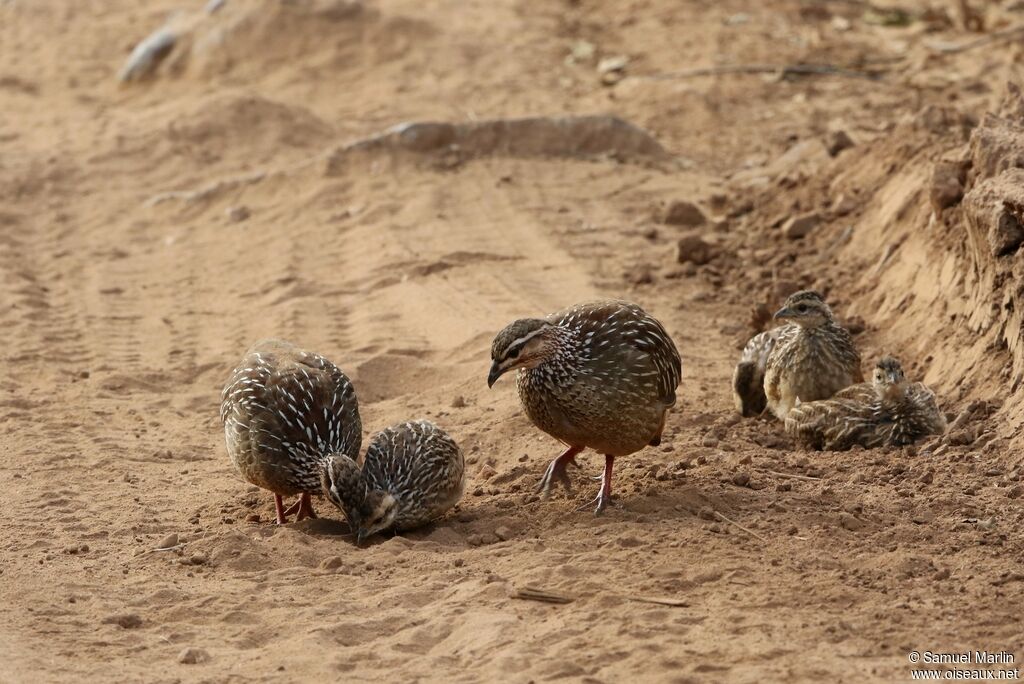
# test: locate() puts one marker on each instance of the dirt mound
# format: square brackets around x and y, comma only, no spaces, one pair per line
[915,233]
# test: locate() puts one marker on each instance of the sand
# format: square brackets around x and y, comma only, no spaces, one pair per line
[246,187]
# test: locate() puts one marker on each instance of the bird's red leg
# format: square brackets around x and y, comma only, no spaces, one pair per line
[556,471]
[305,508]
[604,495]
[279,505]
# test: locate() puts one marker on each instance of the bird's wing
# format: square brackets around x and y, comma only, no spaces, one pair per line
[609,322]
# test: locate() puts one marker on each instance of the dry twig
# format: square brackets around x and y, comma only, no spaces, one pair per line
[791,476]
[741,527]
[543,595]
[783,70]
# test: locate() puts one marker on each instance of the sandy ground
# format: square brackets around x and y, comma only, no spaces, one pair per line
[149,232]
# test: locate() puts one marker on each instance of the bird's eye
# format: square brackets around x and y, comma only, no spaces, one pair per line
[514,352]
[802,308]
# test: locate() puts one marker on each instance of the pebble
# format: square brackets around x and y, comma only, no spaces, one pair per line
[837,141]
[170,541]
[124,620]
[503,533]
[693,249]
[741,479]
[193,656]
[147,55]
[238,214]
[709,440]
[946,186]
[459,402]
[798,227]
[331,563]
[851,523]
[684,213]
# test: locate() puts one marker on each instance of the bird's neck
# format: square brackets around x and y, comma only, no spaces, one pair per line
[562,361]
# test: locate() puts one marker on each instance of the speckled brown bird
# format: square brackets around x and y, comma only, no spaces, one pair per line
[284,411]
[811,362]
[412,474]
[601,375]
[888,411]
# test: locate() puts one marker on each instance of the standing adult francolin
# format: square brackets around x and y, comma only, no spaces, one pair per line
[599,375]
[285,410]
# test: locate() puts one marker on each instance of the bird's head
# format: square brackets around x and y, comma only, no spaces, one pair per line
[527,343]
[888,379]
[806,308]
[367,510]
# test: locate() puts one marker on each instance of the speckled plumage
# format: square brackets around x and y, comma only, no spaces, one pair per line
[284,410]
[412,474]
[601,375]
[812,362]
[886,412]
[748,377]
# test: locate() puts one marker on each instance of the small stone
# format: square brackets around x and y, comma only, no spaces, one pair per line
[706,513]
[124,620]
[641,274]
[741,479]
[503,533]
[709,441]
[193,656]
[1015,492]
[946,187]
[695,250]
[238,214]
[844,204]
[169,542]
[684,213]
[792,530]
[800,226]
[331,563]
[612,64]
[459,402]
[849,522]
[582,51]
[837,141]
[253,518]
[474,540]
[941,575]
[927,478]
[199,559]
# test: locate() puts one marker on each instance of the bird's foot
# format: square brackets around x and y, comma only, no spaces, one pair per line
[303,508]
[556,471]
[603,501]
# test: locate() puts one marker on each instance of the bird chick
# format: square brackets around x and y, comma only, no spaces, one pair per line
[888,411]
[412,474]
[284,411]
[599,375]
[810,361]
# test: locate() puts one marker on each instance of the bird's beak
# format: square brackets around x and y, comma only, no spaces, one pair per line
[784,312]
[496,372]
[360,537]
